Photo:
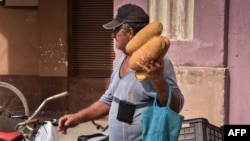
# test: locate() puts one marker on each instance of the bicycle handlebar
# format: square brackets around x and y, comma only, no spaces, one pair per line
[27,122]
[33,121]
[60,95]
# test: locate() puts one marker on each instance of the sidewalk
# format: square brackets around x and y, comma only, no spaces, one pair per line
[82,129]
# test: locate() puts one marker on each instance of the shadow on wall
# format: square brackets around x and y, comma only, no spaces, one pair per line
[3,54]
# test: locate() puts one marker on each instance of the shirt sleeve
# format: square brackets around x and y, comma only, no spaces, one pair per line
[107,96]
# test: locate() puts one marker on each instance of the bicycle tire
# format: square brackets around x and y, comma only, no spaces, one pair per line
[12,102]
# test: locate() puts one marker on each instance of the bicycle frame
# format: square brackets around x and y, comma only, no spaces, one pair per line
[24,130]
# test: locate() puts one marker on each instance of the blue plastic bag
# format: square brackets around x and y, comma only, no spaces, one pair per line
[161,123]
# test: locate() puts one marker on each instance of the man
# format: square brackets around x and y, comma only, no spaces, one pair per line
[126,97]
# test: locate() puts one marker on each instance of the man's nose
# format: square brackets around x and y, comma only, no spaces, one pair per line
[113,35]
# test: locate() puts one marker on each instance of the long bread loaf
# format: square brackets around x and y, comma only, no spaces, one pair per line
[147,41]
[142,75]
[154,47]
[152,29]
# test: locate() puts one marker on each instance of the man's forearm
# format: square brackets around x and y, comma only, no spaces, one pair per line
[97,110]
[162,88]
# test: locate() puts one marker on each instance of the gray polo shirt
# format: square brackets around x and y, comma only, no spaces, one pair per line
[133,91]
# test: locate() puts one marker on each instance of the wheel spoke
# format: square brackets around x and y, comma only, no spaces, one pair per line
[12,102]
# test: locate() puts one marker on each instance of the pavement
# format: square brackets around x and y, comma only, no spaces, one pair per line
[87,128]
[82,129]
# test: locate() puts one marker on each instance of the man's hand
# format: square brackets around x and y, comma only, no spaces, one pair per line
[66,122]
[153,69]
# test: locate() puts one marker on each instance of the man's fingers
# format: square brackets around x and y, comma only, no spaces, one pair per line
[62,126]
[67,123]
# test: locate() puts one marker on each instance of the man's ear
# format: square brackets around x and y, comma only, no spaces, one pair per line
[131,33]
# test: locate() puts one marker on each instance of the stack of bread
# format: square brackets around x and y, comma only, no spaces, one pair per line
[147,41]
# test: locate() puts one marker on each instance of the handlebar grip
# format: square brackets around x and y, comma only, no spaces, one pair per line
[27,122]
[32,121]
[60,95]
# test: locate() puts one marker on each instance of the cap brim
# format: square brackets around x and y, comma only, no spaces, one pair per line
[113,24]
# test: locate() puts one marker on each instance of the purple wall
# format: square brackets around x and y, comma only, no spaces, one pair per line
[207,47]
[238,61]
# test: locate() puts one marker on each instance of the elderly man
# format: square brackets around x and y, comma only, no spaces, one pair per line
[126,97]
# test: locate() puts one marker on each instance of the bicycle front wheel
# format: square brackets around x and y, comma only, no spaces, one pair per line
[12,102]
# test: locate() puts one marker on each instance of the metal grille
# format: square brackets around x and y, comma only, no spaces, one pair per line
[92,52]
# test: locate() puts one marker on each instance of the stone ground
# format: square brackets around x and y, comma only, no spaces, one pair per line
[82,129]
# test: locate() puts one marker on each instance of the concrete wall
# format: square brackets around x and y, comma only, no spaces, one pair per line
[34,39]
[204,91]
[33,51]
[19,40]
[203,75]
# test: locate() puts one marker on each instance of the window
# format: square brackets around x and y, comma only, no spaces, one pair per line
[20,2]
[176,17]
[91,46]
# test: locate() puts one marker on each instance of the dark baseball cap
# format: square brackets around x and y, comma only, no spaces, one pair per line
[129,13]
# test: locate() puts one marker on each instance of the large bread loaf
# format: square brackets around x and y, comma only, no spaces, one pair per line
[142,75]
[147,41]
[153,29]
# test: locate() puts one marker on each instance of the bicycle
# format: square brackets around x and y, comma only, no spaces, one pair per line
[12,102]
[14,108]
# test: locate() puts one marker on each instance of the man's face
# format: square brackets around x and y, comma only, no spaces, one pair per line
[122,37]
